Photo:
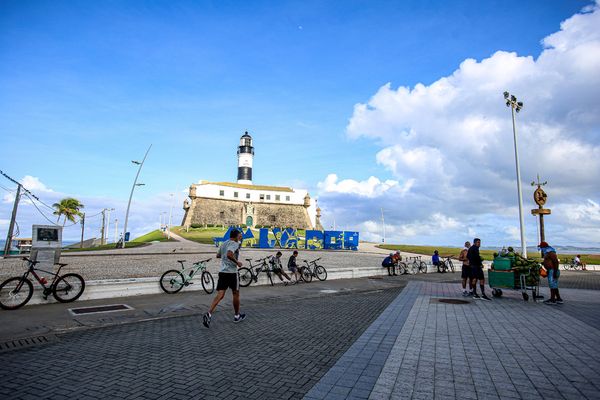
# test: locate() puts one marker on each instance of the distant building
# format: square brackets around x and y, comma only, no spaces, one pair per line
[24,245]
[243,203]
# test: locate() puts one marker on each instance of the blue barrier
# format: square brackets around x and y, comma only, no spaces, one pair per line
[288,238]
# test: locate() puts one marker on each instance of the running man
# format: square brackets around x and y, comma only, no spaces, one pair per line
[228,277]
[275,262]
[476,264]
[466,270]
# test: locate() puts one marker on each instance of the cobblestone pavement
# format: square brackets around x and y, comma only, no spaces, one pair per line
[478,350]
[279,352]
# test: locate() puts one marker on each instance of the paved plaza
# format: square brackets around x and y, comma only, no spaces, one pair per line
[381,338]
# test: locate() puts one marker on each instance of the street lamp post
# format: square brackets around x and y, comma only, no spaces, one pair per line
[141,164]
[383,226]
[170,217]
[516,106]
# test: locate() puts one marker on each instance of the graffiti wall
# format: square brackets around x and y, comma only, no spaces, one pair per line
[290,238]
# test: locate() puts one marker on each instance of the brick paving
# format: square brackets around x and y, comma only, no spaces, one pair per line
[279,352]
[478,350]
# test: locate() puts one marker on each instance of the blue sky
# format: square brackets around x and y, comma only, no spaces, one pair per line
[87,86]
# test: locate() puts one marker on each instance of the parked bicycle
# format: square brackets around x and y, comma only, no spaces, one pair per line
[311,269]
[416,265]
[248,275]
[16,292]
[446,265]
[173,280]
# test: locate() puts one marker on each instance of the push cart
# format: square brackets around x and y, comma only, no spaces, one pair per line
[506,274]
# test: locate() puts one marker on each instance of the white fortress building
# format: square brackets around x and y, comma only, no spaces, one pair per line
[244,203]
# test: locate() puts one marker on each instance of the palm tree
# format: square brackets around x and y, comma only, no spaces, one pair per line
[69,208]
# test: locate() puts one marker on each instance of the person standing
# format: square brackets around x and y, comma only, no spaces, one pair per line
[466,270]
[228,277]
[551,264]
[293,266]
[476,264]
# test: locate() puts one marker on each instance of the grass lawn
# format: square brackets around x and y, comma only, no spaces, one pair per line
[486,254]
[153,236]
[109,246]
[200,235]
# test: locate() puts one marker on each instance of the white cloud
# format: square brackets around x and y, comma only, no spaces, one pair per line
[371,187]
[452,139]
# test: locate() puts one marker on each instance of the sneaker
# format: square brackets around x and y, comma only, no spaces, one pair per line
[560,301]
[206,320]
[470,294]
[476,296]
[465,293]
[550,302]
[239,318]
[484,297]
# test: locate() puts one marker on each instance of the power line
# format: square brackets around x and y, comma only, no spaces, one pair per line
[40,211]
[22,187]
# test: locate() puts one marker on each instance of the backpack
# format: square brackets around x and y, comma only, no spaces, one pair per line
[386,261]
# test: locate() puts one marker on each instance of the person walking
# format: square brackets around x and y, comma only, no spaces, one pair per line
[551,264]
[228,277]
[466,270]
[476,264]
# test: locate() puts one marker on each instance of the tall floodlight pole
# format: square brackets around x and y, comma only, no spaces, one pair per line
[383,226]
[141,164]
[516,106]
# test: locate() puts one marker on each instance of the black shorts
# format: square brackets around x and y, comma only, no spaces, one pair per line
[466,272]
[228,280]
[477,273]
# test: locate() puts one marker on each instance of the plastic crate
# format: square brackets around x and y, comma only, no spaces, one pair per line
[501,279]
[503,263]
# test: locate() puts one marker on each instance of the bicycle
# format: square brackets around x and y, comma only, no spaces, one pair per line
[572,265]
[446,265]
[173,280]
[422,266]
[16,292]
[312,269]
[247,275]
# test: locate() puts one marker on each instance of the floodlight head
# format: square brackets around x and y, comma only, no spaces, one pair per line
[513,98]
[520,104]
[506,95]
[518,109]
[508,104]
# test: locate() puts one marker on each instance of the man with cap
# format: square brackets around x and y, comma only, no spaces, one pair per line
[551,264]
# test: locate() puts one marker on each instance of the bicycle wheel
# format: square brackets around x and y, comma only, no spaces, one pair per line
[245,276]
[270,277]
[423,267]
[451,265]
[414,268]
[69,287]
[208,283]
[15,292]
[402,268]
[306,274]
[321,273]
[172,281]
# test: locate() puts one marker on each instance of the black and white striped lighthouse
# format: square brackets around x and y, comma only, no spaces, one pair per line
[245,156]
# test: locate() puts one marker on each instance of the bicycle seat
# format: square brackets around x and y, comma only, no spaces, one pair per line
[61,264]
[248,259]
[181,261]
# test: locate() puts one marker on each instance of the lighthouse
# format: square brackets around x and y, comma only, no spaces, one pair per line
[245,156]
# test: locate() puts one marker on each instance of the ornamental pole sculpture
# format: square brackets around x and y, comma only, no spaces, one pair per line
[539,196]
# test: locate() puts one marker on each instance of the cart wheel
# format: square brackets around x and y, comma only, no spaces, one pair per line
[496,292]
[499,292]
[525,297]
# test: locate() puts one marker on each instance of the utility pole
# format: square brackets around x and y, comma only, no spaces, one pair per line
[170,217]
[82,221]
[103,226]
[11,226]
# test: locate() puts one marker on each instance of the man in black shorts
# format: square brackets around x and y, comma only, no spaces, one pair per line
[475,262]
[466,270]
[228,277]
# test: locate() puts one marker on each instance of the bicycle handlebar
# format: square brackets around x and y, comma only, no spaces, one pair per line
[203,261]
[30,260]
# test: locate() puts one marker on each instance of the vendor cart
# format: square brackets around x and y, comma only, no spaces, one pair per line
[507,273]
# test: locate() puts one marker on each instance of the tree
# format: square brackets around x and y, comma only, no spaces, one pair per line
[69,208]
